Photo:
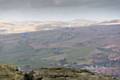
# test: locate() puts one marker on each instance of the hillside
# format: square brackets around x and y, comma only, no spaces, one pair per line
[95,47]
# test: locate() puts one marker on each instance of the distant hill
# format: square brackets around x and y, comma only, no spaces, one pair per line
[111,22]
[7,27]
[32,26]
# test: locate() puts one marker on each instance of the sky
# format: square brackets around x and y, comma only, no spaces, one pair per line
[20,10]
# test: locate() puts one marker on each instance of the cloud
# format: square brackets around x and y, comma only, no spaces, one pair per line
[58,3]
[60,9]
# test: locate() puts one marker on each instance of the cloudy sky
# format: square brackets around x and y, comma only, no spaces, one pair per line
[59,9]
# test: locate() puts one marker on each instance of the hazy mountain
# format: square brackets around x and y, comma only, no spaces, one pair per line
[80,23]
[30,26]
[111,22]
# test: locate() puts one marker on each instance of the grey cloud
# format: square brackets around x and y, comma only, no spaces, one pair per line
[59,9]
[57,3]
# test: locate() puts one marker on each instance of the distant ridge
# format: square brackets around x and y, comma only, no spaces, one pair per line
[111,22]
[7,27]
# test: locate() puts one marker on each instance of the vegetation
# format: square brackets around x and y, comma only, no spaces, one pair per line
[10,72]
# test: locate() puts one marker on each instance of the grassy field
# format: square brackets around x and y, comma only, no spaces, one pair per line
[45,56]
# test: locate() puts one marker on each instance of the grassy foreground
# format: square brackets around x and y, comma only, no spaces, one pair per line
[10,72]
